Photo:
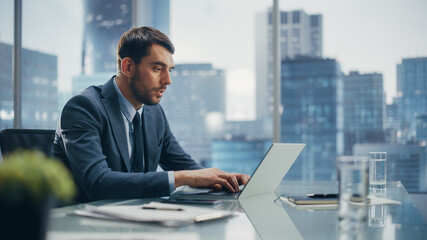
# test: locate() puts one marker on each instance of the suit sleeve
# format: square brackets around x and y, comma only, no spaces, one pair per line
[173,156]
[81,131]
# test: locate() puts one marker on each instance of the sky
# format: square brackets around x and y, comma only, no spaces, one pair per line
[49,26]
[364,35]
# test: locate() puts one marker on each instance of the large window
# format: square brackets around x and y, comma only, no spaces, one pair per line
[50,57]
[6,44]
[340,88]
[350,82]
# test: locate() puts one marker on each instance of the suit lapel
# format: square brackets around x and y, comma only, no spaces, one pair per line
[150,134]
[111,104]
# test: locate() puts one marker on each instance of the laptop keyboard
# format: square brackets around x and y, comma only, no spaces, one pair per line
[213,192]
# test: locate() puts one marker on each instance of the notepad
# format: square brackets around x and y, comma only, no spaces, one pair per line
[305,200]
[316,205]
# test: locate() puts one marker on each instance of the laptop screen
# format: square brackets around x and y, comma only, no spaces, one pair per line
[271,170]
[266,177]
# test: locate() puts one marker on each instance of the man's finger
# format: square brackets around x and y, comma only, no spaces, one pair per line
[243,178]
[235,183]
[232,180]
[226,184]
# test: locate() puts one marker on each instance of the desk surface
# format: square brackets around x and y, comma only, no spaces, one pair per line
[262,218]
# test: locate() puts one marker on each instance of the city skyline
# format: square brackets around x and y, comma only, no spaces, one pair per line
[350,35]
[312,114]
[39,89]
[347,29]
[300,35]
[318,94]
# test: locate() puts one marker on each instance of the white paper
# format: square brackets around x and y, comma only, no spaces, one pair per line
[173,218]
[123,236]
[382,201]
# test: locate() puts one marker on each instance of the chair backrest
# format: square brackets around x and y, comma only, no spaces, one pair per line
[39,139]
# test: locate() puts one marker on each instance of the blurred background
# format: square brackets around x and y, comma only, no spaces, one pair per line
[353,75]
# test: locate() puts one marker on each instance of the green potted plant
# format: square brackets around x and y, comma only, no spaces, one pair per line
[30,183]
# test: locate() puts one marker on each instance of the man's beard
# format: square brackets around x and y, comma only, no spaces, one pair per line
[144,95]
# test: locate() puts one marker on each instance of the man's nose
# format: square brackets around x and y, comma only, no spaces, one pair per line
[166,78]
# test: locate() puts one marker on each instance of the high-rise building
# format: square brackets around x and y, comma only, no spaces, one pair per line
[257,129]
[239,155]
[106,20]
[411,95]
[104,23]
[195,106]
[391,123]
[312,114]
[421,128]
[81,82]
[63,97]
[364,109]
[301,34]
[39,89]
[405,163]
[153,13]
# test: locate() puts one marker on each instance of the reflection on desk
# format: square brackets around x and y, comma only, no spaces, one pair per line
[269,219]
[401,221]
[255,220]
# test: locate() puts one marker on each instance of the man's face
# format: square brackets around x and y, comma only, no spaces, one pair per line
[152,75]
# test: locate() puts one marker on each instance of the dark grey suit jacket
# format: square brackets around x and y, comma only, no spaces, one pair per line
[91,141]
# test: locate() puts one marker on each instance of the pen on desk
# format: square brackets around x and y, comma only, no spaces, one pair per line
[323,195]
[163,208]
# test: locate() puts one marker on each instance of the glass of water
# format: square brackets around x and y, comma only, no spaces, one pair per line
[378,213]
[377,172]
[353,189]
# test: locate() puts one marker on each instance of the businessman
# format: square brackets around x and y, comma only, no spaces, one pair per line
[114,136]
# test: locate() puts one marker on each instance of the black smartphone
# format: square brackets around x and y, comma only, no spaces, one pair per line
[191,201]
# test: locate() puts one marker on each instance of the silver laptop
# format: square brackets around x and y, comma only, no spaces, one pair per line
[265,179]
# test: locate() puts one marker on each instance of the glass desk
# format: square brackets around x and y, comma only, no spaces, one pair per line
[263,218]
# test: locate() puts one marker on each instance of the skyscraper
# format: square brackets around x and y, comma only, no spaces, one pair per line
[81,82]
[301,34]
[239,155]
[364,109]
[421,129]
[104,23]
[195,107]
[39,89]
[257,129]
[391,123]
[411,95]
[106,20]
[312,114]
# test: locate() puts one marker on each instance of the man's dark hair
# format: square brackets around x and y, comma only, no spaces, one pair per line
[136,43]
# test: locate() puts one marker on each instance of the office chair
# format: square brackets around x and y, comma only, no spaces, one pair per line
[37,139]
[30,139]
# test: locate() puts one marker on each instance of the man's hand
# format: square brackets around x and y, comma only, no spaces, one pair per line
[210,177]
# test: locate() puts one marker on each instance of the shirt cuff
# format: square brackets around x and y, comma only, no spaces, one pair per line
[171,178]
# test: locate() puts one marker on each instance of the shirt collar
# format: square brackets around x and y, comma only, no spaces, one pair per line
[125,106]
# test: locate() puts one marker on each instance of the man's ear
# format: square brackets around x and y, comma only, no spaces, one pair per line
[127,67]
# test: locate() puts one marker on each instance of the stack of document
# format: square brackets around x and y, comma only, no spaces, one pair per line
[171,215]
[123,236]
[304,202]
[298,203]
